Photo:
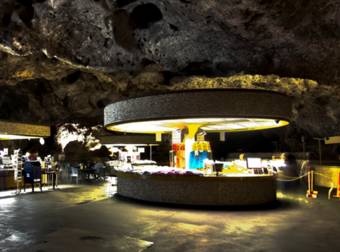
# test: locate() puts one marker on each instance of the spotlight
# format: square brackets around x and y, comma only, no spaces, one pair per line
[41,141]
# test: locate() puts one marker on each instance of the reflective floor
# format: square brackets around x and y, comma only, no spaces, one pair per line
[89,218]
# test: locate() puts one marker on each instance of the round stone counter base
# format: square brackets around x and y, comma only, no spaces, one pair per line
[196,190]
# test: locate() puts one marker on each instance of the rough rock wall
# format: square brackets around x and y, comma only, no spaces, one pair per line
[284,37]
[63,60]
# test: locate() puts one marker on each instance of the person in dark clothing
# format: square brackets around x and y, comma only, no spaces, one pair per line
[32,171]
[291,171]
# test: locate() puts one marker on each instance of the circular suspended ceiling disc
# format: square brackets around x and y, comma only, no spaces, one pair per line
[212,109]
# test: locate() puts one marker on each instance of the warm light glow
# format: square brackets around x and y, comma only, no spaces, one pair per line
[64,137]
[123,145]
[15,137]
[74,132]
[41,141]
[16,131]
[207,124]
[254,162]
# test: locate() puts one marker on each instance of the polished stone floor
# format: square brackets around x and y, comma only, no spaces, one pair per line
[89,218]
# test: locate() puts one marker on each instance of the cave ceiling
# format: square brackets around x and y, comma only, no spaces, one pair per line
[63,61]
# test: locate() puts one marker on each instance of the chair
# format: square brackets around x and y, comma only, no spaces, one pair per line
[74,174]
[32,174]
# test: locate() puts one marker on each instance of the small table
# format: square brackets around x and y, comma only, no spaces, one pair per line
[54,175]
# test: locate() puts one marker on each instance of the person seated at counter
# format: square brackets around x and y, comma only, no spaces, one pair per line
[99,170]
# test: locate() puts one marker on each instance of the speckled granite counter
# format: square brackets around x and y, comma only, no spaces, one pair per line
[198,190]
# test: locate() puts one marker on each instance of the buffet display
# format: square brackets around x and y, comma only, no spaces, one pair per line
[189,116]
[16,169]
[249,167]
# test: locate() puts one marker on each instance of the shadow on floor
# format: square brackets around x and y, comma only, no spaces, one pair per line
[280,204]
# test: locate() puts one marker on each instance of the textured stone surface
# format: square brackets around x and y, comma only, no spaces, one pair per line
[200,104]
[283,37]
[196,190]
[65,60]
[24,129]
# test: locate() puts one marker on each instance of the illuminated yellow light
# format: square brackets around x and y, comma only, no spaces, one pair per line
[207,124]
[327,176]
[25,74]
[16,131]
[15,137]
[124,145]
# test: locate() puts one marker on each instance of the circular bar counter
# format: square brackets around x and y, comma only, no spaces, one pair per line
[198,190]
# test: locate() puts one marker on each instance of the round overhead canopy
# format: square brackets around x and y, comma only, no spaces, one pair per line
[212,109]
[13,131]
[123,140]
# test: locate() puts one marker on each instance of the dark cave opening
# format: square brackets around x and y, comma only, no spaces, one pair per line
[144,15]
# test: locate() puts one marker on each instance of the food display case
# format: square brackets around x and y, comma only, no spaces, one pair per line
[127,154]
[9,167]
[188,116]
[11,163]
